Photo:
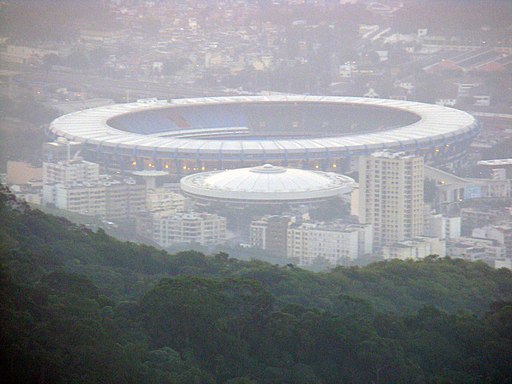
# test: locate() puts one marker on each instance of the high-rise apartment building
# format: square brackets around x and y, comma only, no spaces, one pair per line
[391,196]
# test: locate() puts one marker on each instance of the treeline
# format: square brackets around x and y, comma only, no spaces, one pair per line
[80,307]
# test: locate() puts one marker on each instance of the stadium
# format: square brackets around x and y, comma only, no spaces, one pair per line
[184,136]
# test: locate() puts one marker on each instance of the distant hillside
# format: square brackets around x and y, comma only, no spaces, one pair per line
[81,307]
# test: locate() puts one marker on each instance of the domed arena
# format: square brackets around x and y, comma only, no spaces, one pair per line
[184,136]
[266,184]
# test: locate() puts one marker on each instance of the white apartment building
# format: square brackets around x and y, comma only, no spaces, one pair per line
[164,199]
[502,233]
[503,263]
[124,199]
[442,227]
[334,242]
[415,249]
[189,227]
[391,196]
[258,233]
[30,195]
[472,248]
[84,198]
[105,198]
[77,186]
[488,250]
[70,172]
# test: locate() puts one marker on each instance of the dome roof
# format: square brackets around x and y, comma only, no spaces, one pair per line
[266,183]
[150,173]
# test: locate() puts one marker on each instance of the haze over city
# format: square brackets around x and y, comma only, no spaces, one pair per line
[189,186]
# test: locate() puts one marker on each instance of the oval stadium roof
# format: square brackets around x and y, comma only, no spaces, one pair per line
[436,124]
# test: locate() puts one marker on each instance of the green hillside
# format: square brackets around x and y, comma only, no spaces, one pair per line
[81,307]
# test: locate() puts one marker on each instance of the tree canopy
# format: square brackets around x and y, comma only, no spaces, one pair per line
[79,306]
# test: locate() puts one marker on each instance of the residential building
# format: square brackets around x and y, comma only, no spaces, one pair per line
[164,199]
[258,233]
[84,198]
[472,248]
[27,192]
[188,227]
[270,233]
[61,149]
[105,198]
[391,196]
[442,227]
[415,249]
[77,186]
[501,233]
[472,218]
[68,172]
[124,199]
[333,242]
[503,263]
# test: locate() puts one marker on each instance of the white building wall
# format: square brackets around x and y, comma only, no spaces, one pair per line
[391,196]
[437,246]
[475,248]
[258,234]
[489,232]
[453,227]
[61,196]
[49,194]
[83,199]
[435,226]
[503,263]
[69,172]
[415,249]
[202,228]
[334,243]
[443,227]
[164,199]
[366,240]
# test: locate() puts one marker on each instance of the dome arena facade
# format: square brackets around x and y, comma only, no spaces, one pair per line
[184,136]
[266,184]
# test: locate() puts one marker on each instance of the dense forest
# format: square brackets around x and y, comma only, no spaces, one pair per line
[78,306]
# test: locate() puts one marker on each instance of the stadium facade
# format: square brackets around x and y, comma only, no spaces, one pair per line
[184,136]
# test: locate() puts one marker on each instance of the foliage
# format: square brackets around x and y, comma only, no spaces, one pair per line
[78,306]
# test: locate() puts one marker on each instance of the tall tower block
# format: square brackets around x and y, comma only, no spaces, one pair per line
[391,196]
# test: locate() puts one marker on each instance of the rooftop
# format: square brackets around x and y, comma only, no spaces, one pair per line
[496,162]
[266,183]
[91,127]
